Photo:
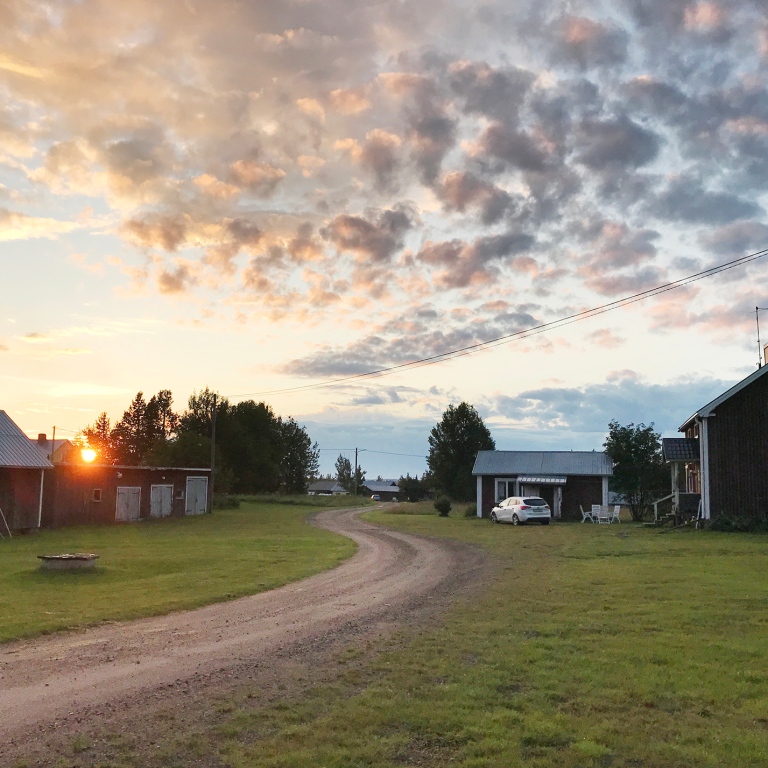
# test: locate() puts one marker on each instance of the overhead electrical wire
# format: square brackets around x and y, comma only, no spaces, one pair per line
[522,334]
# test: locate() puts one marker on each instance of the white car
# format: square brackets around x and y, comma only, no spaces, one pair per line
[521,509]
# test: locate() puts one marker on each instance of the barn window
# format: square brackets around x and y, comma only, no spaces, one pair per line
[180,493]
[96,496]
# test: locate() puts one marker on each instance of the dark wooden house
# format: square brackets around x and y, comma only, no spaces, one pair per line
[85,494]
[723,457]
[386,490]
[567,480]
[22,468]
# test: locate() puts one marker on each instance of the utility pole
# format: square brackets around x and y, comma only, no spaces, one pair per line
[213,448]
[354,483]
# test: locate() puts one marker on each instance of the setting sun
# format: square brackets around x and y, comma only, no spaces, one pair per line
[88,455]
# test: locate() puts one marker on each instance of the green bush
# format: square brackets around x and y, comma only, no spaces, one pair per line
[224,501]
[443,506]
[470,510]
[740,524]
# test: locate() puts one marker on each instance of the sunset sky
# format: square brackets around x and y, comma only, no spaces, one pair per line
[264,194]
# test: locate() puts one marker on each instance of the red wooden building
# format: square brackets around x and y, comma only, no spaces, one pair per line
[724,454]
[22,467]
[84,494]
[567,480]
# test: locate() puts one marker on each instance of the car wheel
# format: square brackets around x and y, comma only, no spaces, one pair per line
[515,519]
[545,522]
[494,519]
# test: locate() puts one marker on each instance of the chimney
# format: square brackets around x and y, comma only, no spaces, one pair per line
[41,438]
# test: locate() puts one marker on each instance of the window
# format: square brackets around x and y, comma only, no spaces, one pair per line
[180,493]
[504,488]
[96,495]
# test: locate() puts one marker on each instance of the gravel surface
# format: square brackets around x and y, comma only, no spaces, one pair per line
[112,677]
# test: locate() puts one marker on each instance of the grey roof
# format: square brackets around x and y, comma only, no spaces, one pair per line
[543,463]
[680,448]
[16,450]
[377,486]
[326,486]
[709,408]
[49,447]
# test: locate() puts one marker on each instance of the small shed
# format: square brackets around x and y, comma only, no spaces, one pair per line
[22,469]
[567,480]
[85,494]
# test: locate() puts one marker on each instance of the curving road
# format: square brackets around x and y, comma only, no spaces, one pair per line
[61,675]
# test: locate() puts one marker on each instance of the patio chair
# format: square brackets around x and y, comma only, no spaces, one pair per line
[615,514]
[601,513]
[586,515]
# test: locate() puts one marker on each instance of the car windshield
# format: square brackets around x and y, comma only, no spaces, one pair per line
[535,502]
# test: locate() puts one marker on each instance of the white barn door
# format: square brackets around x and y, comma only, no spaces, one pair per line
[197,496]
[161,501]
[128,503]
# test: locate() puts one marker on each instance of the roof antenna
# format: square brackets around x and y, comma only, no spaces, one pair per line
[760,360]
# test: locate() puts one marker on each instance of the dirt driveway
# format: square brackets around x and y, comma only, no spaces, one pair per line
[63,683]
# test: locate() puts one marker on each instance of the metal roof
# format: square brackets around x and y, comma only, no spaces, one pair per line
[16,450]
[543,463]
[376,486]
[680,448]
[709,408]
[329,486]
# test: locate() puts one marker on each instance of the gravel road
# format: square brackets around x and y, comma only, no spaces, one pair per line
[69,676]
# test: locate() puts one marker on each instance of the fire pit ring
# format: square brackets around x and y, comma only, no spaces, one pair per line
[68,562]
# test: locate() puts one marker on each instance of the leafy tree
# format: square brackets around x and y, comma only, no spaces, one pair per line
[197,417]
[344,472]
[412,489]
[352,481]
[453,446]
[639,471]
[99,437]
[132,436]
[358,481]
[188,449]
[301,458]
[162,422]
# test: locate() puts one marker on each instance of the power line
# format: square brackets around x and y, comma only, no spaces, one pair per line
[525,333]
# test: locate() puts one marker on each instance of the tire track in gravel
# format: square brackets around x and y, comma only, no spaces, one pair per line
[58,676]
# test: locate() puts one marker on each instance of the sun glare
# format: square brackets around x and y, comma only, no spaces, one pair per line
[88,455]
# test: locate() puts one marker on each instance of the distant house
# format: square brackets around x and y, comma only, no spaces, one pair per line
[57,451]
[85,494]
[567,480]
[386,490]
[22,468]
[326,488]
[723,458]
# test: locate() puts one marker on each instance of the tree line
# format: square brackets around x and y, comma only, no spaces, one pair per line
[257,451]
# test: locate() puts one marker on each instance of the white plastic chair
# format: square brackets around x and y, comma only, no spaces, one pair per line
[615,514]
[601,513]
[586,515]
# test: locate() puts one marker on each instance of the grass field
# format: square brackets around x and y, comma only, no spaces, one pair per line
[590,646]
[159,566]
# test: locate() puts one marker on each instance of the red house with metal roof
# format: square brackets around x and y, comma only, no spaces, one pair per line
[22,469]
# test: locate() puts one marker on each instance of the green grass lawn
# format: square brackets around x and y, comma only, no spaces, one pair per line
[159,566]
[590,646]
